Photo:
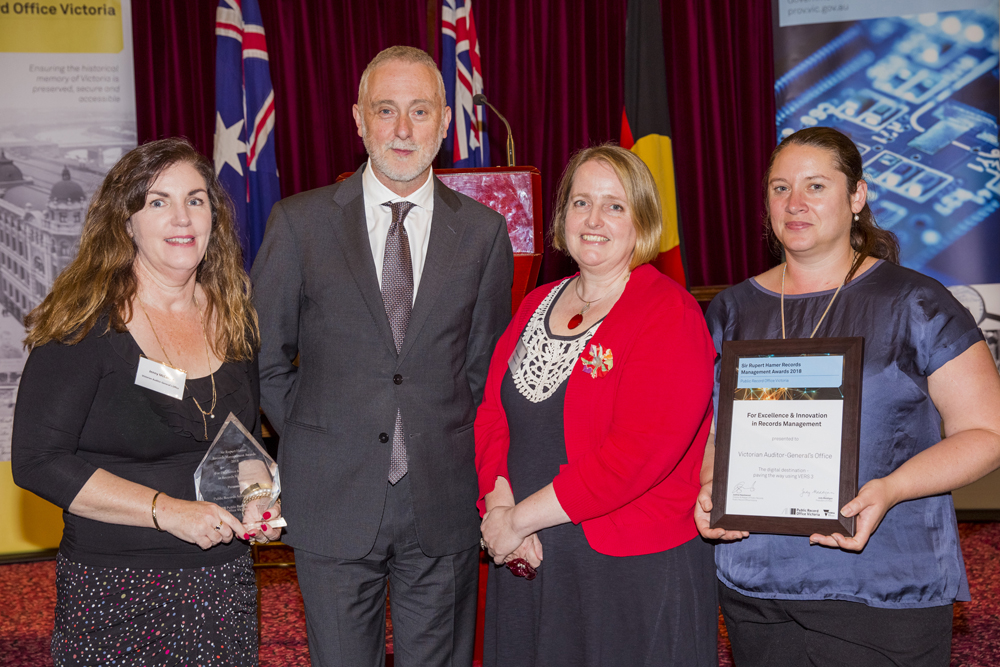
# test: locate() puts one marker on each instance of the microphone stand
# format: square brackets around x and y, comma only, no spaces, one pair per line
[480,99]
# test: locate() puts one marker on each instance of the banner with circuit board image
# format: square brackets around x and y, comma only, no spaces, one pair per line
[919,94]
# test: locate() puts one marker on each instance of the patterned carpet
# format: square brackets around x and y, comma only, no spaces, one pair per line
[28,595]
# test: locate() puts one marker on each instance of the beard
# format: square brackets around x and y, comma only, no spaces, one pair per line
[415,165]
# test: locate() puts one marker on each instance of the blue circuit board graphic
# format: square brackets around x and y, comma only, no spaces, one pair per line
[919,95]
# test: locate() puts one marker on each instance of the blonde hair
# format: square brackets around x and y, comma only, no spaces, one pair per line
[641,194]
[406,54]
[101,279]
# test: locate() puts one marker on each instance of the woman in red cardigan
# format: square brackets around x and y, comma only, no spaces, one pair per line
[589,444]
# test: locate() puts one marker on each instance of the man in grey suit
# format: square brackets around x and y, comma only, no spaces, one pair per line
[393,290]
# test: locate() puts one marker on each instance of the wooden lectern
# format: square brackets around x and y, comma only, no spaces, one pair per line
[515,193]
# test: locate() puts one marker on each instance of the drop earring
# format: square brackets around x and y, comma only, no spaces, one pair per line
[856,218]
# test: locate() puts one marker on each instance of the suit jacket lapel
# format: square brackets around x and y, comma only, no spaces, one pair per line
[352,233]
[447,228]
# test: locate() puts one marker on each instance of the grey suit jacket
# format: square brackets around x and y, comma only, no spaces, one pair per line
[317,296]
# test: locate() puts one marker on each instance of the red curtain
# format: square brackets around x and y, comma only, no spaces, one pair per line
[720,77]
[553,67]
[317,51]
[174,47]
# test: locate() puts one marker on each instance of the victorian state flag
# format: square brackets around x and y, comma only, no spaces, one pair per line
[646,123]
[463,78]
[244,121]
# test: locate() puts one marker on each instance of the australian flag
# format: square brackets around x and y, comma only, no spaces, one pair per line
[244,120]
[463,78]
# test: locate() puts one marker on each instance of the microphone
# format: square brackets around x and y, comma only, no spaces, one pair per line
[480,99]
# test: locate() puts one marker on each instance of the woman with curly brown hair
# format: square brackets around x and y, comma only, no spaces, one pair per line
[146,575]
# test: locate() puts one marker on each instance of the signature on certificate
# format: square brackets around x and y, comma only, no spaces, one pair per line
[741,487]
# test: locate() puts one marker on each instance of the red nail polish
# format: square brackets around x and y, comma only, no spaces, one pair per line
[263,526]
[246,536]
[267,515]
[253,534]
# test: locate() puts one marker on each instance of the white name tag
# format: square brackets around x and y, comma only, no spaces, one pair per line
[520,352]
[160,377]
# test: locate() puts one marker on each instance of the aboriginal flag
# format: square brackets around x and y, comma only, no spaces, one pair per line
[646,123]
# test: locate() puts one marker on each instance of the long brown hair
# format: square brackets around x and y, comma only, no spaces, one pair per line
[640,191]
[867,238]
[101,279]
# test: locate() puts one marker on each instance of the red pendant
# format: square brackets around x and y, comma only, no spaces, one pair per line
[575,321]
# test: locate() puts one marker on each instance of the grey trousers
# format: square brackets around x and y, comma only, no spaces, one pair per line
[433,599]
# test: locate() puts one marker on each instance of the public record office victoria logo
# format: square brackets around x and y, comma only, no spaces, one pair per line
[78,26]
[63,8]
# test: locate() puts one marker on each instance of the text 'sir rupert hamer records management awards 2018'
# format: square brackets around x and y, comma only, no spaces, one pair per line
[787,436]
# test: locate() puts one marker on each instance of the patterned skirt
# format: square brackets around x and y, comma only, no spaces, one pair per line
[124,616]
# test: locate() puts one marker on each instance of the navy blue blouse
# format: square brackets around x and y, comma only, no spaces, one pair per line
[912,326]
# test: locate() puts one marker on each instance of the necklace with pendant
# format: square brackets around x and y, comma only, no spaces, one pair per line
[205,415]
[577,319]
[785,266]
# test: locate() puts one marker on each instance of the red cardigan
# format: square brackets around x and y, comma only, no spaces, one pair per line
[635,437]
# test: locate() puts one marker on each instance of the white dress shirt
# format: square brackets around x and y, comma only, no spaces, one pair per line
[417,222]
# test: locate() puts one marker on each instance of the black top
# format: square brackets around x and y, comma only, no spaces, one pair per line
[537,440]
[79,409]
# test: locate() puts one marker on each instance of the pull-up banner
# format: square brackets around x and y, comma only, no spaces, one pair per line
[915,84]
[67,113]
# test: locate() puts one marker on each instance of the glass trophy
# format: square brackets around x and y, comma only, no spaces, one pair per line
[238,475]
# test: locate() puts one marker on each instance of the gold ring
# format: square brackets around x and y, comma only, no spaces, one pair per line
[219,527]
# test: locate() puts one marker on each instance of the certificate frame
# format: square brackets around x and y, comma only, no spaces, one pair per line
[852,351]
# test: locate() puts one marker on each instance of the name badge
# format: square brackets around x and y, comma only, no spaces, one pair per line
[160,377]
[520,352]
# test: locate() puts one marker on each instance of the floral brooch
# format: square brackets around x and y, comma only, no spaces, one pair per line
[597,361]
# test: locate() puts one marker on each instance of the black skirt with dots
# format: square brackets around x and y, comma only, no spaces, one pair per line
[125,616]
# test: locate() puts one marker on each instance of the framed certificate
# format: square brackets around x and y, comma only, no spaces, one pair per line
[786,446]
